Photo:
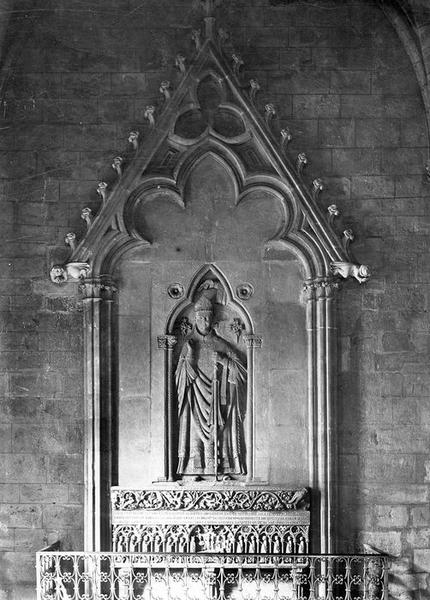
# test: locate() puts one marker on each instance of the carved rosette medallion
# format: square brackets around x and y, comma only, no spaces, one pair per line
[175,291]
[244,291]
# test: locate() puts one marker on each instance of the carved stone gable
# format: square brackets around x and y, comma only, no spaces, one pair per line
[226,263]
[209,124]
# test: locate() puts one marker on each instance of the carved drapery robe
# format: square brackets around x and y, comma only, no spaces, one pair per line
[211,392]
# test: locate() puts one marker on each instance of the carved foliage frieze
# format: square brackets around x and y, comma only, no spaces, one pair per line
[225,500]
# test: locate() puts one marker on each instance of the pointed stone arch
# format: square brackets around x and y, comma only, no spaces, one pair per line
[257,162]
[206,271]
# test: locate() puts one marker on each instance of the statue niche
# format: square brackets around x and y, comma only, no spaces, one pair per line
[210,383]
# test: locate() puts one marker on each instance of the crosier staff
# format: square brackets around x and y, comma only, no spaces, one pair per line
[215,407]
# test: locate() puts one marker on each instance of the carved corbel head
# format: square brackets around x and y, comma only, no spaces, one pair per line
[58,274]
[133,138]
[72,270]
[360,272]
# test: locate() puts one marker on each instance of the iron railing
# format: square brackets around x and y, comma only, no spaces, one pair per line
[163,576]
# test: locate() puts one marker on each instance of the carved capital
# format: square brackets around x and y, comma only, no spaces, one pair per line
[252,340]
[320,288]
[102,288]
[167,342]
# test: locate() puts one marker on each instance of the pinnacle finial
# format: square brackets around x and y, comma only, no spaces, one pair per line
[209,8]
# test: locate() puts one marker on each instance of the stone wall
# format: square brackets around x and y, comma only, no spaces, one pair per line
[343,84]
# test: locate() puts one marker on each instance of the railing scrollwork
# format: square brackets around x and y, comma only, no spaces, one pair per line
[211,576]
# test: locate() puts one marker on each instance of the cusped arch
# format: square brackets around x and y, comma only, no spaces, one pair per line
[149,190]
[244,184]
[209,146]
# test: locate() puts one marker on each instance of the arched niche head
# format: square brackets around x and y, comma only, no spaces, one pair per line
[210,303]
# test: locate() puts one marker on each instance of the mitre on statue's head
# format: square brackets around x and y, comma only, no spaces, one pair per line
[214,291]
[203,305]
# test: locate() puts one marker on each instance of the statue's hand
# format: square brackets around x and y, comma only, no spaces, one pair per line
[219,358]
